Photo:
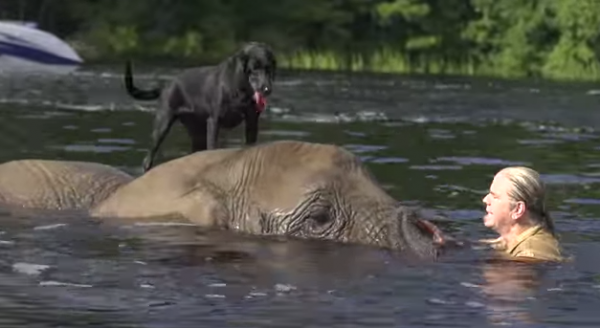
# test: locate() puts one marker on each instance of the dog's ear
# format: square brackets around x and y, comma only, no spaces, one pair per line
[245,58]
[273,66]
[242,61]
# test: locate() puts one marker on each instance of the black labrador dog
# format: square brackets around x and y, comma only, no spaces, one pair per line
[205,99]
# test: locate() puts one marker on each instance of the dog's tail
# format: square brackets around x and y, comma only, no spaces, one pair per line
[134,91]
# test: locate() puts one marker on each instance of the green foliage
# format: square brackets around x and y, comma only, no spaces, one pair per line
[574,54]
[558,39]
[188,45]
[410,10]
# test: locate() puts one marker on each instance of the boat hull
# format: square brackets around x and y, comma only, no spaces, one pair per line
[28,50]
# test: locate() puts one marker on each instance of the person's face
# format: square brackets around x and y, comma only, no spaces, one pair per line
[501,213]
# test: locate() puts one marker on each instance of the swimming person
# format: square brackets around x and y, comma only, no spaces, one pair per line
[516,210]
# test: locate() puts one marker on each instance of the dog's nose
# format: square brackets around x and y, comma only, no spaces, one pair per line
[266,90]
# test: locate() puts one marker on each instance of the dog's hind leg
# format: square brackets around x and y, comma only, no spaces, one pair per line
[162,125]
[163,120]
[195,126]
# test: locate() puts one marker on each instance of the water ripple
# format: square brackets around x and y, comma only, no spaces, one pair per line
[63,284]
[538,142]
[30,269]
[386,160]
[478,161]
[441,134]
[359,149]
[92,148]
[582,201]
[436,167]
[568,179]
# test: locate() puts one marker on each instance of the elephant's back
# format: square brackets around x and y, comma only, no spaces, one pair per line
[164,189]
[49,184]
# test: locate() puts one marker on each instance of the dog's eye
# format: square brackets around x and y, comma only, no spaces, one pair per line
[256,66]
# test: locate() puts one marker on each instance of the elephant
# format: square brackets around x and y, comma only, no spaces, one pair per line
[285,188]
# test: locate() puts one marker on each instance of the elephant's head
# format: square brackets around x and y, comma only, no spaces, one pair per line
[322,192]
[288,188]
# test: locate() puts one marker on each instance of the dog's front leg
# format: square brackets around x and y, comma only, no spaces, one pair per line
[251,126]
[212,132]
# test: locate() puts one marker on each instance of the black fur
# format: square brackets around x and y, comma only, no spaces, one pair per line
[205,99]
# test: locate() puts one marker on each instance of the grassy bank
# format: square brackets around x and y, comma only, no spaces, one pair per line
[383,61]
[390,61]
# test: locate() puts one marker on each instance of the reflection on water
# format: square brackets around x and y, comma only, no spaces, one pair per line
[433,143]
[510,288]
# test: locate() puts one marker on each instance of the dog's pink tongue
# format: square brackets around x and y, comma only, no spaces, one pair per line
[261,102]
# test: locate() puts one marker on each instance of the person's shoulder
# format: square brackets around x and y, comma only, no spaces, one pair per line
[542,245]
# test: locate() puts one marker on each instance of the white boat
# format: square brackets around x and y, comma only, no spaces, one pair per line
[26,49]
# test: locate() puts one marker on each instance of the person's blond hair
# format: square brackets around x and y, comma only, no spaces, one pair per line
[528,187]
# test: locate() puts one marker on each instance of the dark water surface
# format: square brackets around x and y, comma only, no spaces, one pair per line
[432,142]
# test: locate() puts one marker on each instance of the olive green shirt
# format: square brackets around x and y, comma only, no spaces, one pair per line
[535,243]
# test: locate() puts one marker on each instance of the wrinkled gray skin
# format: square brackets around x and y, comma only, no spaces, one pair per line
[291,188]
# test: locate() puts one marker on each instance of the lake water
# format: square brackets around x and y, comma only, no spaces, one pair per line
[434,142]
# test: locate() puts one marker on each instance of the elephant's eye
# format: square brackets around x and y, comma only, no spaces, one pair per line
[320,222]
[318,216]
[321,217]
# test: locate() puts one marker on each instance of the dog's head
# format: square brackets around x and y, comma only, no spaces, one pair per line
[259,65]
